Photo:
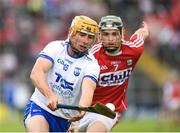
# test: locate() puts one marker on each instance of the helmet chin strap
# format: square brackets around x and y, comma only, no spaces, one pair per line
[112,51]
[76,51]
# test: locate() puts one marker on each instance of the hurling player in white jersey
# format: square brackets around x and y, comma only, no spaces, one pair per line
[63,73]
[117,59]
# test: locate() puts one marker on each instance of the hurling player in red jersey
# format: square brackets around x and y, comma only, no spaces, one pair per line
[117,59]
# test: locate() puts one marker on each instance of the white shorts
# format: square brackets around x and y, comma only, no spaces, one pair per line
[90,118]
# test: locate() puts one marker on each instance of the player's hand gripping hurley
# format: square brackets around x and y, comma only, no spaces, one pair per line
[98,108]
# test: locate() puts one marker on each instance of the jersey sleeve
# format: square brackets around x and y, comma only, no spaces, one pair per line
[136,43]
[136,40]
[92,71]
[50,51]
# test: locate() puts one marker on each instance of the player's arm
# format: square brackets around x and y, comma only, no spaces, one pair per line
[143,31]
[38,77]
[89,83]
[88,88]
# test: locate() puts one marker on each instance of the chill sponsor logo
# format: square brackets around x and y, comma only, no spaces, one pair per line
[77,71]
[114,78]
[62,87]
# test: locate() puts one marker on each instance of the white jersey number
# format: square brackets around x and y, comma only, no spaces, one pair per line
[116,67]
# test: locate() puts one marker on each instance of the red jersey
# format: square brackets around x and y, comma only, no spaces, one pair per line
[115,72]
[176,89]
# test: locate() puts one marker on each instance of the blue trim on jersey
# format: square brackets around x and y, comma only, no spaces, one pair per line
[88,58]
[47,57]
[56,124]
[91,77]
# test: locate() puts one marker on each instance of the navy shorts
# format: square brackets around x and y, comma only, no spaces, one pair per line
[56,124]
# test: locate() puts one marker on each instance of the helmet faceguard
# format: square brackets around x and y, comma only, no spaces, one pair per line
[85,25]
[114,23]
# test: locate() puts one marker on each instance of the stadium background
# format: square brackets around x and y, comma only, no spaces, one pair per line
[26,26]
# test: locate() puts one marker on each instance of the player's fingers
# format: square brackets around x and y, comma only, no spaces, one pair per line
[77,117]
[52,105]
[82,113]
[73,119]
[73,129]
[144,24]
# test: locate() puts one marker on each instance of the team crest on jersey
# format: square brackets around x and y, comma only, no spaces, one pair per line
[77,71]
[129,62]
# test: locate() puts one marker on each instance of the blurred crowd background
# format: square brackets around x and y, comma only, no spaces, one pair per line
[26,26]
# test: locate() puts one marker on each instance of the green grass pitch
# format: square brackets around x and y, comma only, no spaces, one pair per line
[16,125]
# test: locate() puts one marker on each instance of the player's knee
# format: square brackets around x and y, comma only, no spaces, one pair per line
[37,124]
[97,126]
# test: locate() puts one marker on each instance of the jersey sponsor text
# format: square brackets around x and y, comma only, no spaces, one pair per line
[114,78]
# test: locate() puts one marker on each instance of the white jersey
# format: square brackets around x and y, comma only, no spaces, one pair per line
[65,77]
